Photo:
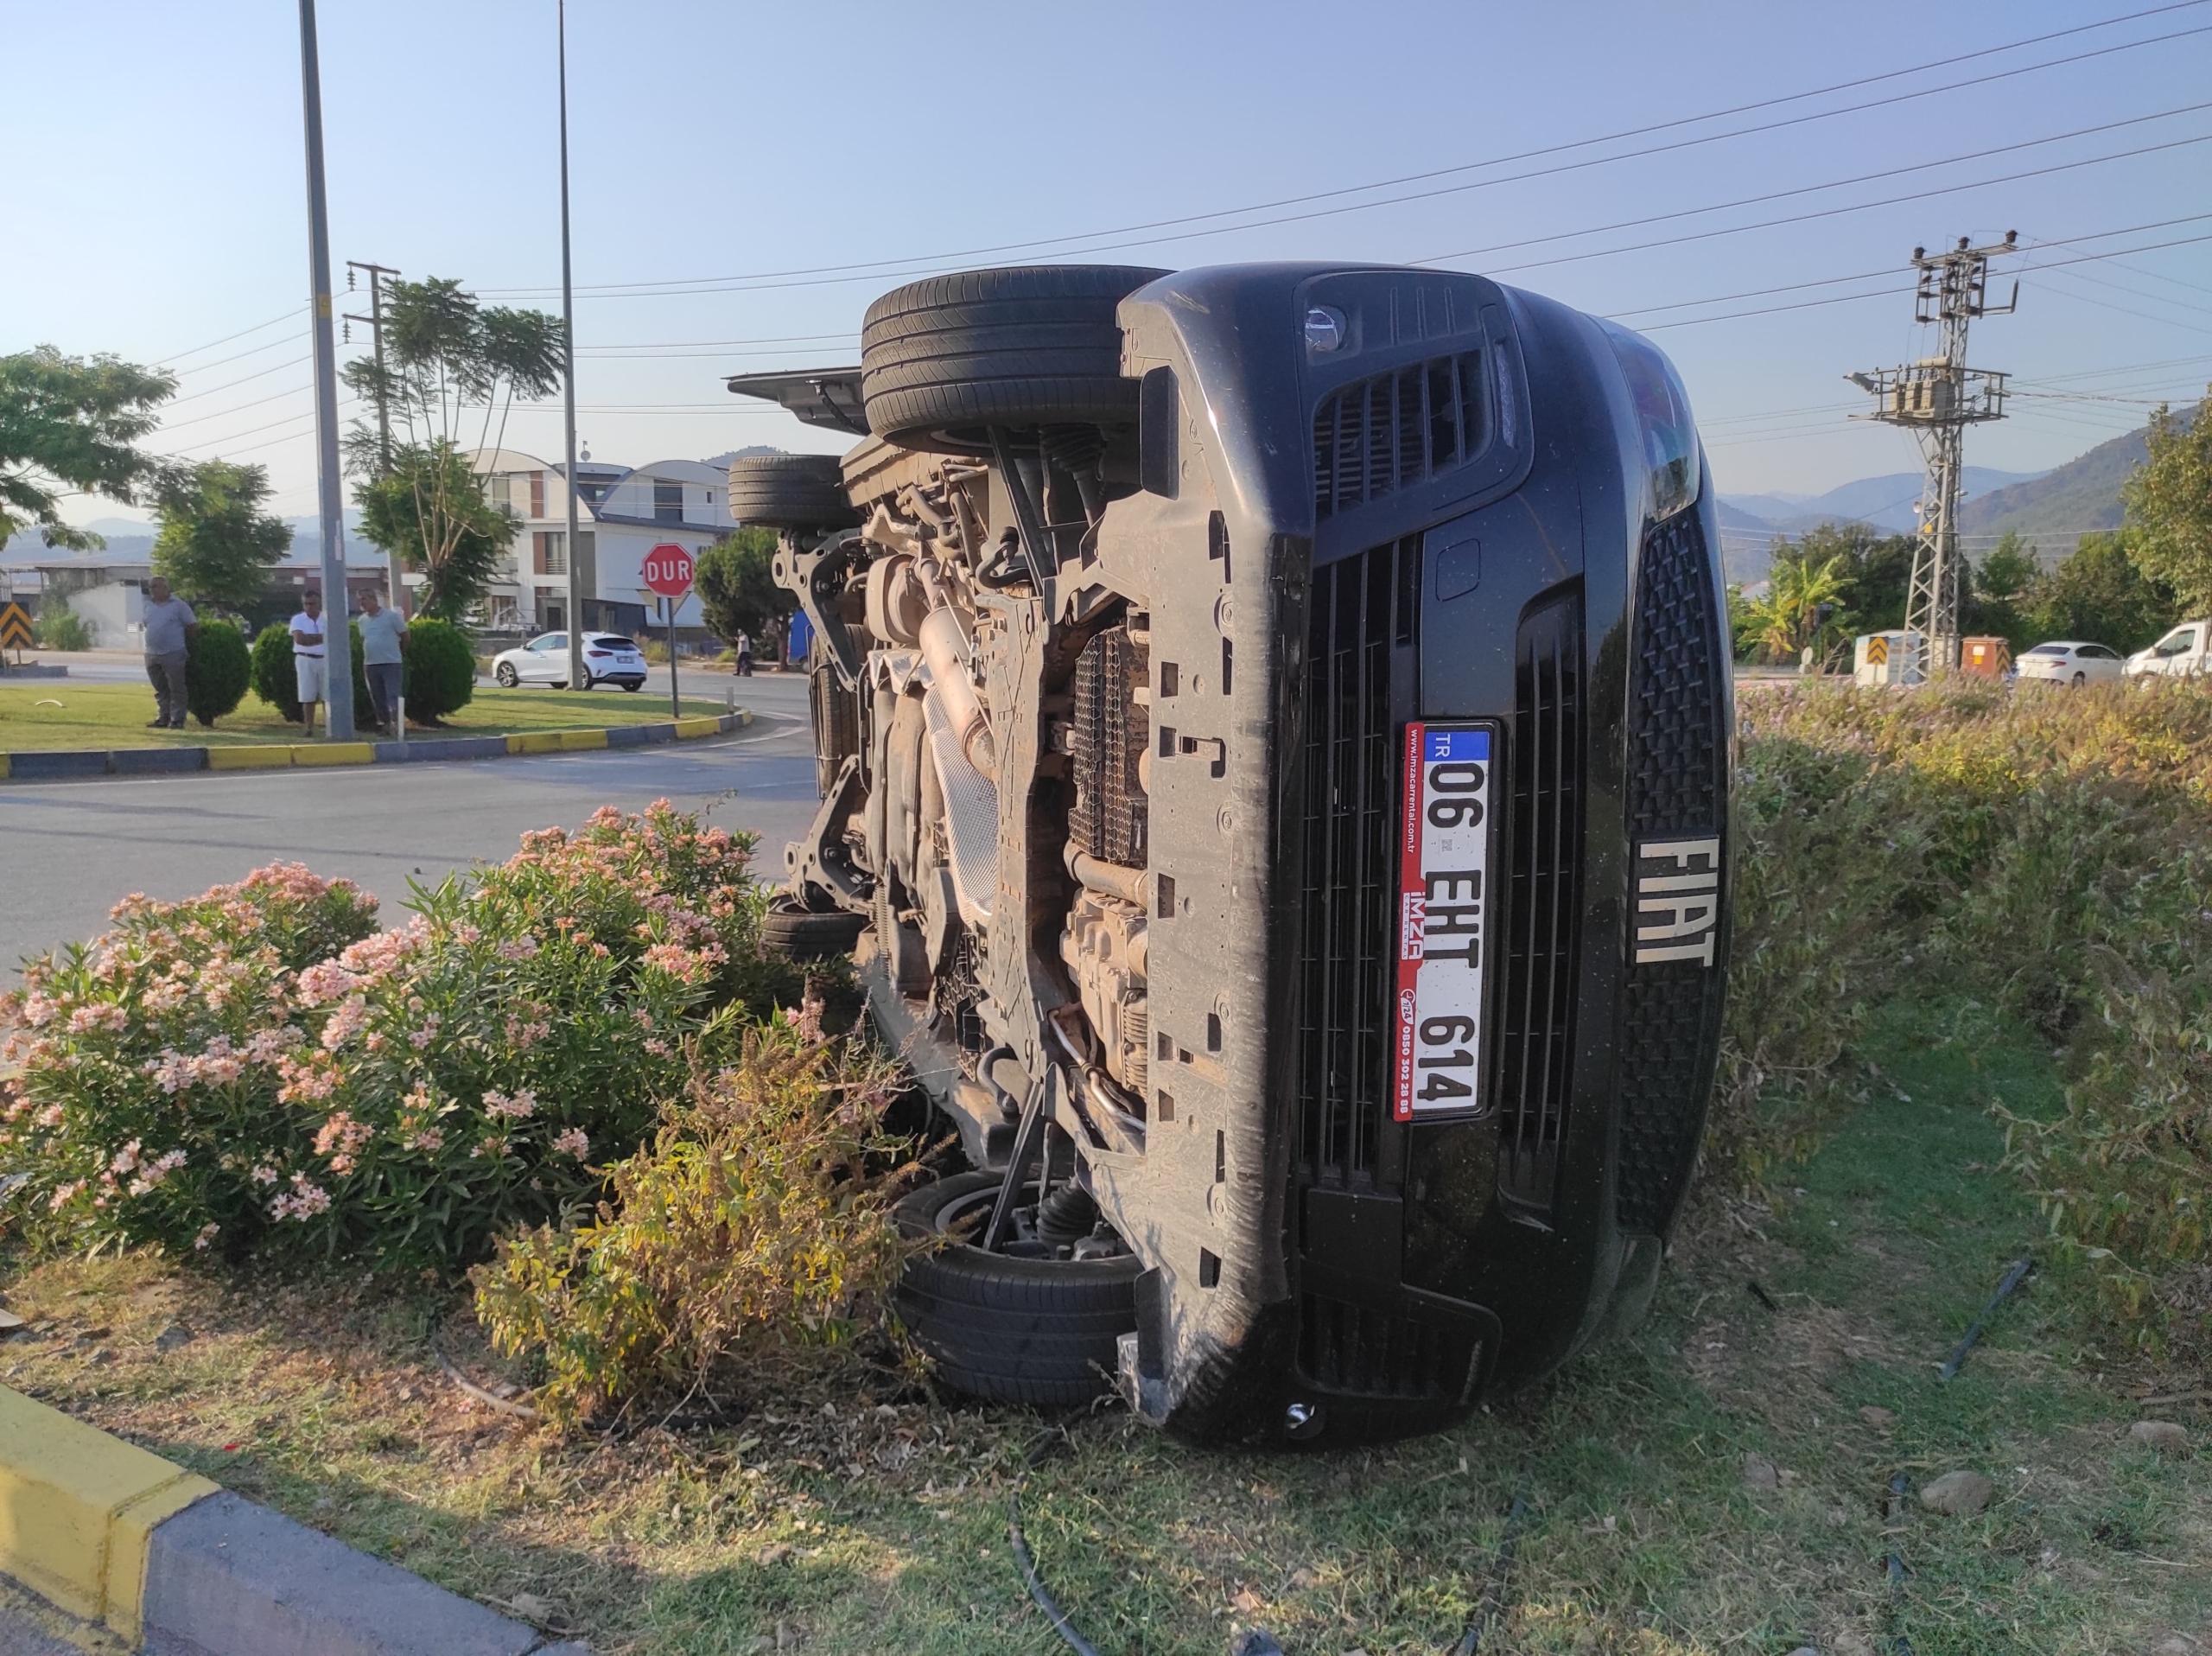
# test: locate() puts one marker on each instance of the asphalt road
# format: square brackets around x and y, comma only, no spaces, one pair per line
[69,849]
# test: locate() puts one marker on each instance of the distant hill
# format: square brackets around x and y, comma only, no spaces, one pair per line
[2055,510]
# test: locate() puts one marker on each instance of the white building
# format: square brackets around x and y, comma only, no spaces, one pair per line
[622,513]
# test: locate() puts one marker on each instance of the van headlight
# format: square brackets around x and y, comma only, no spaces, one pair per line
[1663,422]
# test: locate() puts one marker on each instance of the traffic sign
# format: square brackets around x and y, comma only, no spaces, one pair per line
[667,570]
[15,627]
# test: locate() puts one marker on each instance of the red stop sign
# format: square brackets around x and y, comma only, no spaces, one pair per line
[667,570]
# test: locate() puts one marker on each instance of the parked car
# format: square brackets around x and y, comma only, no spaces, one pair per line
[2065,661]
[1274,727]
[609,659]
[2184,652]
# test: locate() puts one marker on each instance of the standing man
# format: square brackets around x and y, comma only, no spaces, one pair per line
[310,659]
[382,630]
[743,644]
[170,629]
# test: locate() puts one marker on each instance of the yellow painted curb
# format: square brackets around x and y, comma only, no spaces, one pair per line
[709,726]
[78,1509]
[255,758]
[535,741]
[580,741]
[333,753]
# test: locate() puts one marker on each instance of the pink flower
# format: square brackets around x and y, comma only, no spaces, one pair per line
[348,1020]
[573,1143]
[303,1201]
[429,1138]
[520,1107]
[207,1234]
[105,1016]
[324,982]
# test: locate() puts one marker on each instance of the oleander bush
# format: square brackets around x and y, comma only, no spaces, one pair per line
[217,667]
[2044,849]
[749,1243]
[260,1071]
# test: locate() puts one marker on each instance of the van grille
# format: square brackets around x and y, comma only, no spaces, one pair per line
[1364,611]
[1535,1014]
[1677,750]
[1392,430]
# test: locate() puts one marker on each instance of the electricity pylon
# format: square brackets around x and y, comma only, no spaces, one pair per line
[1937,397]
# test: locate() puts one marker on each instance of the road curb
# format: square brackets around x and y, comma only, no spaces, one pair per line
[177,1566]
[52,765]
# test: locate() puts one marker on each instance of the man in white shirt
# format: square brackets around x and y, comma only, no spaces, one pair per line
[310,661]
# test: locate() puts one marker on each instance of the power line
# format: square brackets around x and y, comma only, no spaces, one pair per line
[224,413]
[238,356]
[258,373]
[927,264]
[162,362]
[1821,212]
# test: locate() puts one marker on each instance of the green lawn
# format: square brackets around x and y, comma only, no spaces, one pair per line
[51,713]
[876,1520]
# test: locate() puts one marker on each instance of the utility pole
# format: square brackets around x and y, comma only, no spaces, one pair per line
[569,379]
[375,320]
[338,646]
[1937,397]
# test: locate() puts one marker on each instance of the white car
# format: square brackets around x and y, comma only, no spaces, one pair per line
[609,659]
[2067,661]
[2184,652]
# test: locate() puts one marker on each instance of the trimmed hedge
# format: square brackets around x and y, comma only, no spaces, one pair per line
[441,669]
[216,670]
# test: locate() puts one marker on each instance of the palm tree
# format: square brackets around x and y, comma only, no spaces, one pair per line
[1801,607]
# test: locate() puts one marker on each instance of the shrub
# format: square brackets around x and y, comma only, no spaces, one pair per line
[57,627]
[2044,849]
[217,667]
[274,680]
[226,1070]
[441,669]
[751,1241]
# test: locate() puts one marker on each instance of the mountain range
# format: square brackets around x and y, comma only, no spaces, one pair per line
[2050,510]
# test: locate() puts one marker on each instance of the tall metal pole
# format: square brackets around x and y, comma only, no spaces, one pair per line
[568,352]
[338,703]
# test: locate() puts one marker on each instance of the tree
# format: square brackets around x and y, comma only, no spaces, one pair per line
[2100,595]
[67,424]
[2169,500]
[1802,606]
[216,543]
[452,370]
[429,512]
[2001,589]
[737,588]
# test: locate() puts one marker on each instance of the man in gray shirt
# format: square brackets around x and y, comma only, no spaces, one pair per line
[170,629]
[382,630]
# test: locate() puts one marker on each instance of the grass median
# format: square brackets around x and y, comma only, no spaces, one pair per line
[51,715]
[1714,1483]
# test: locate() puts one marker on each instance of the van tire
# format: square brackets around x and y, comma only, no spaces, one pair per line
[945,358]
[1045,1332]
[791,932]
[790,492]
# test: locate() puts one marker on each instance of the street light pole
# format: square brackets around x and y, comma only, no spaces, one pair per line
[338,719]
[569,378]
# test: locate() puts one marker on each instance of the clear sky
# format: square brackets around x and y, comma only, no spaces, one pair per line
[156,205]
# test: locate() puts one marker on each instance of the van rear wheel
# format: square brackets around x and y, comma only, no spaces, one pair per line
[945,358]
[1036,1326]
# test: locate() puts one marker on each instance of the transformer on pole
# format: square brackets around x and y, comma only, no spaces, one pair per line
[1937,397]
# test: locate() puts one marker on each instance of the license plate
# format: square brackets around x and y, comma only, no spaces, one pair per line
[1445,908]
